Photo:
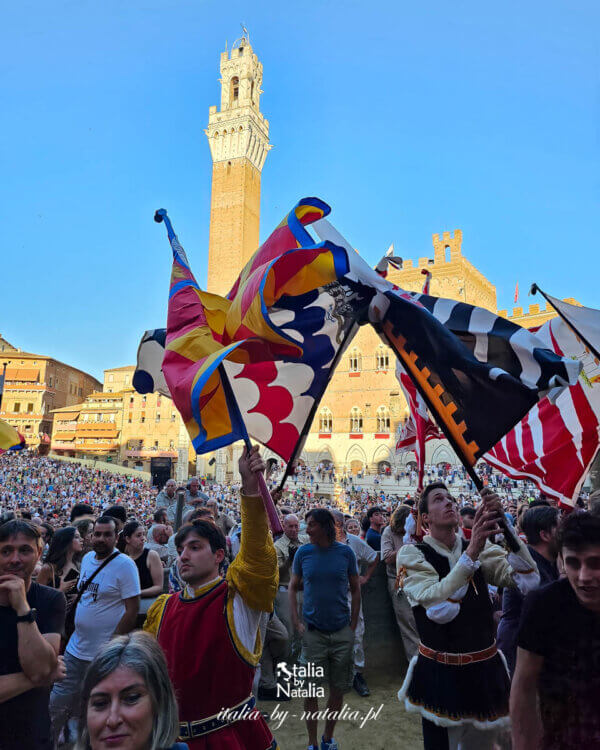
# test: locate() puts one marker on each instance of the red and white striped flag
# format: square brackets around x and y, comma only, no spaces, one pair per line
[555,444]
[419,427]
[517,293]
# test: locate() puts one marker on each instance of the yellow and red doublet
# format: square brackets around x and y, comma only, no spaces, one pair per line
[212,643]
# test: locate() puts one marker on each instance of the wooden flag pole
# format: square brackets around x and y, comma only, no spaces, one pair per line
[270,509]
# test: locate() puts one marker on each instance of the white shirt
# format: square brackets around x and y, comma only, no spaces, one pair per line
[101,606]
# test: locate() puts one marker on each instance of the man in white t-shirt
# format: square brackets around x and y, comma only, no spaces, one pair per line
[108,607]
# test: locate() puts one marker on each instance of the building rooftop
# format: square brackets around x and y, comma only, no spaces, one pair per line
[30,355]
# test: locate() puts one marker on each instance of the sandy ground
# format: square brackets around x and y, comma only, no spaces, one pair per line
[393,728]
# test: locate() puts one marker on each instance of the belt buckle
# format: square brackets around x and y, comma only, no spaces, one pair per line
[441,657]
[184,730]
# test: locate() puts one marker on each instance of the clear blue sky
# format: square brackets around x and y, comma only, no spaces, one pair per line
[408,118]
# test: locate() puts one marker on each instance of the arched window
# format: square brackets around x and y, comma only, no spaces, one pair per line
[356,420]
[252,92]
[383,419]
[325,420]
[355,360]
[382,359]
[235,90]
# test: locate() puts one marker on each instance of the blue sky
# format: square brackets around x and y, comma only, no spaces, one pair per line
[408,118]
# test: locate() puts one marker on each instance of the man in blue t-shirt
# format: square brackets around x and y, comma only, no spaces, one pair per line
[325,569]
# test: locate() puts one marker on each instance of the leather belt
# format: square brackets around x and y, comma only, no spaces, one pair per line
[458,660]
[190,729]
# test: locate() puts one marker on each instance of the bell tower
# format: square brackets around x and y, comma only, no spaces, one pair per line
[238,136]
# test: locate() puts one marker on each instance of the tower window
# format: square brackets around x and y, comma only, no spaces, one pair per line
[235,89]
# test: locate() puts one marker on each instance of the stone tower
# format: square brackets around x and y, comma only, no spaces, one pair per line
[238,136]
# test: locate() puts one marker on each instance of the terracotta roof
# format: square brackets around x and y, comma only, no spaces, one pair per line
[116,369]
[105,394]
[31,355]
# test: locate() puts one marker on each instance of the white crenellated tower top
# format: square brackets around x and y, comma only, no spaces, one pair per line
[238,129]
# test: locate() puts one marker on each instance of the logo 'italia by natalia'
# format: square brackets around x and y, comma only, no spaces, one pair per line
[294,681]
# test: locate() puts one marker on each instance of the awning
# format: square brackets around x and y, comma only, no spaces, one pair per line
[23,374]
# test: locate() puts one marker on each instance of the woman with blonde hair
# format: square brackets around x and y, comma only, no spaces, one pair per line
[127,699]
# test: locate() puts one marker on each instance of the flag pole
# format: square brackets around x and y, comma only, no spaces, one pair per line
[535,288]
[270,509]
[274,522]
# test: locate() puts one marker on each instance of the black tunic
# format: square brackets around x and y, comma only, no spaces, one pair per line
[474,692]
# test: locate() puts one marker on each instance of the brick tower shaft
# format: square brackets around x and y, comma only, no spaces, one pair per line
[238,136]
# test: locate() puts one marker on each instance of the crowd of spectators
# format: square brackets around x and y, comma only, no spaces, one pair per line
[82,549]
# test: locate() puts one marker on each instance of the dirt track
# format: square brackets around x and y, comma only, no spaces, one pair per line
[393,729]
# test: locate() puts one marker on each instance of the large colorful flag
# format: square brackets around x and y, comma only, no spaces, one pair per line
[10,439]
[555,443]
[260,359]
[478,373]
